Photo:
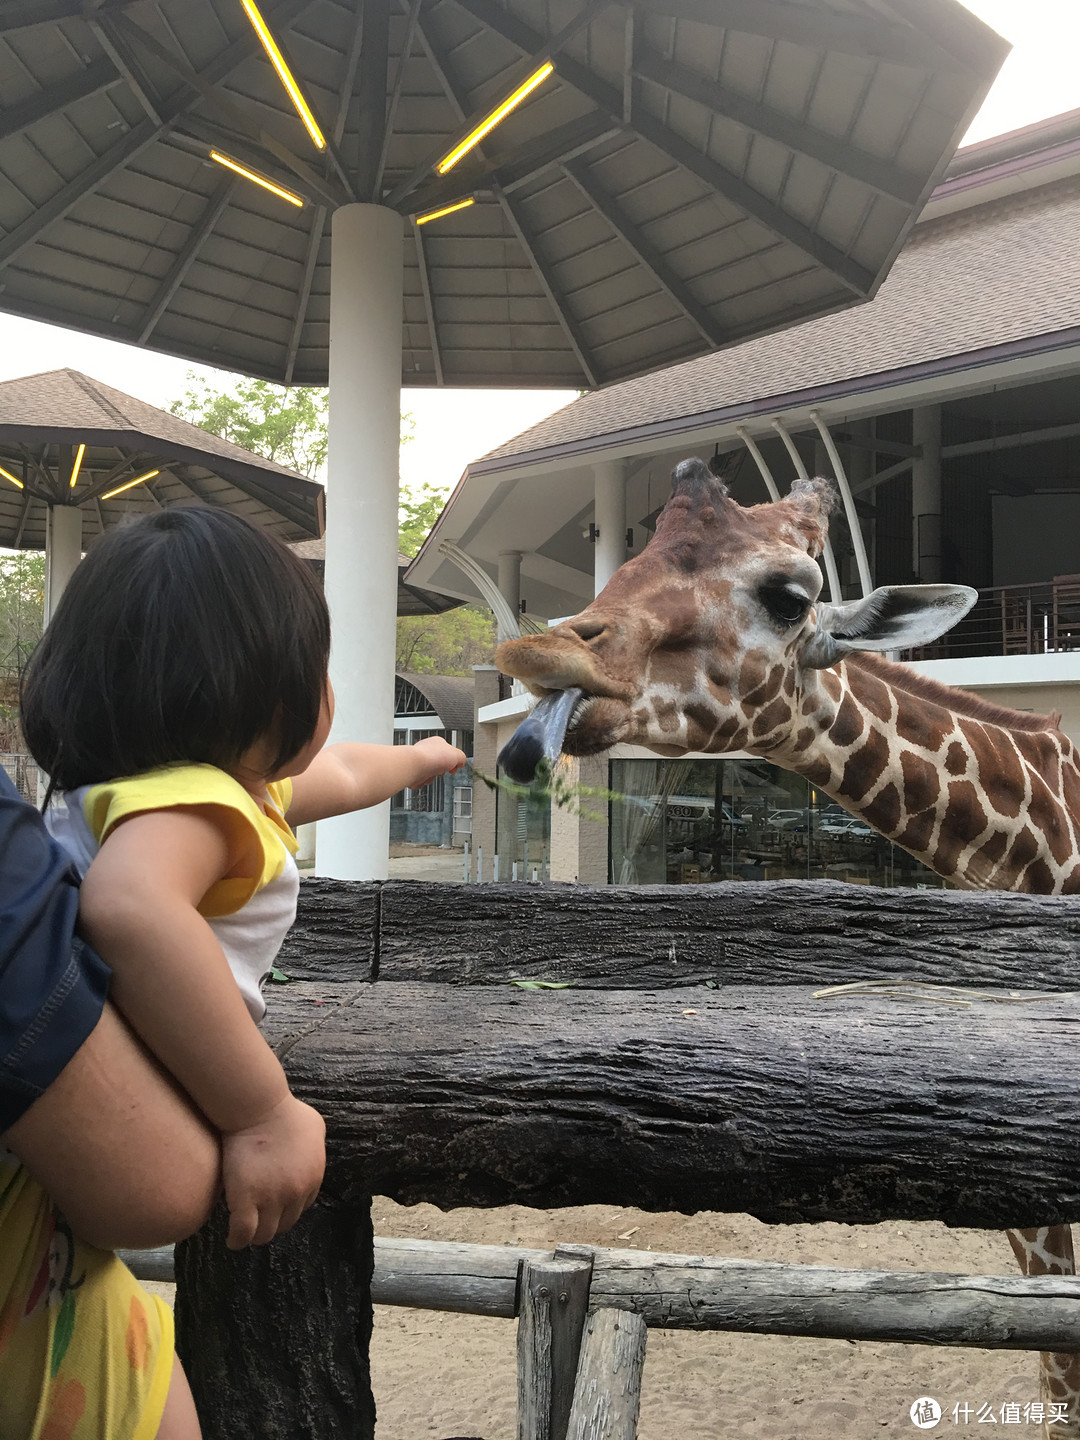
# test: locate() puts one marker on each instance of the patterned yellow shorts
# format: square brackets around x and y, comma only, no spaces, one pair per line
[85,1352]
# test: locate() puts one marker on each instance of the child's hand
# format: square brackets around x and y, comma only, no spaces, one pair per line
[272,1171]
[435,757]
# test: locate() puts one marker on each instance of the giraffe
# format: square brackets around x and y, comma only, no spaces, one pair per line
[713,639]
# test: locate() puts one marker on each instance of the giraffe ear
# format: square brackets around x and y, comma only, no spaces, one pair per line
[894,617]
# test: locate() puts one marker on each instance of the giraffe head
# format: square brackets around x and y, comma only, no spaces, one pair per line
[713,638]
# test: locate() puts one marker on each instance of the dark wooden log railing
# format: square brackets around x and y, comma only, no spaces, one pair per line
[688,1066]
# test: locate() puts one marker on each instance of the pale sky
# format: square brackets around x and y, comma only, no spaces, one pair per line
[1040,78]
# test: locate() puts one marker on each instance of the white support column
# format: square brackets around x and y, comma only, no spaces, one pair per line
[63,551]
[926,494]
[510,581]
[610,505]
[361,501]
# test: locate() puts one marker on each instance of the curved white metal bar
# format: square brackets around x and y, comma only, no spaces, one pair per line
[849,504]
[835,592]
[759,460]
[510,625]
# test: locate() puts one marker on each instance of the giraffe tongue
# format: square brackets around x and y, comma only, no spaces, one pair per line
[539,737]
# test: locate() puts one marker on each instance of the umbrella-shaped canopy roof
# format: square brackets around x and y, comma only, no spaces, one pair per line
[692,173]
[44,419]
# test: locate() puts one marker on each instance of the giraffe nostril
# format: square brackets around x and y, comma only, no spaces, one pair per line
[590,630]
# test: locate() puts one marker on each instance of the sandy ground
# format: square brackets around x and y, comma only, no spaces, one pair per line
[426,862]
[452,1377]
[443,1376]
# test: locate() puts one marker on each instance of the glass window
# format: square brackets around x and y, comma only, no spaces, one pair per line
[684,822]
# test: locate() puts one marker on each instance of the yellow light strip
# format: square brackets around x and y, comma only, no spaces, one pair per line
[284,73]
[446,210]
[128,484]
[475,136]
[75,468]
[8,476]
[258,179]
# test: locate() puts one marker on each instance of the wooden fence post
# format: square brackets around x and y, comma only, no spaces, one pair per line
[607,1396]
[554,1298]
[275,1339]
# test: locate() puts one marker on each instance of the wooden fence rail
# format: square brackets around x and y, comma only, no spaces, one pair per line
[690,1065]
[694,1292]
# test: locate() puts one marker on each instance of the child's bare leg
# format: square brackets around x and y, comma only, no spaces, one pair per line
[179,1420]
[120,1149]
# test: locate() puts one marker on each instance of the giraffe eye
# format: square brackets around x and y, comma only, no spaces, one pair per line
[787,604]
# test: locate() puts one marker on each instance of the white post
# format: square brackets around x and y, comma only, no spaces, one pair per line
[510,578]
[926,494]
[610,507]
[361,502]
[63,551]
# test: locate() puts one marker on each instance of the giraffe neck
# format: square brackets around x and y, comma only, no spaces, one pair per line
[985,803]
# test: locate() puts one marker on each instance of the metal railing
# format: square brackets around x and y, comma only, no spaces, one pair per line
[1038,619]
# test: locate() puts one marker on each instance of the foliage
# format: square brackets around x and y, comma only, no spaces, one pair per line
[449,644]
[551,784]
[22,610]
[287,424]
[284,424]
[417,512]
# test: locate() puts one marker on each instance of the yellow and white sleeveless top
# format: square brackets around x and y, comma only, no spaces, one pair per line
[251,912]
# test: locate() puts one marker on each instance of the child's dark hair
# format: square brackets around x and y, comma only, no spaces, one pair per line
[186,635]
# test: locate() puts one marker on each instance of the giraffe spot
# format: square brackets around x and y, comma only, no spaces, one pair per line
[766,691]
[956,758]
[752,671]
[728,731]
[883,812]
[1072,881]
[1046,814]
[805,737]
[964,821]
[874,694]
[988,855]
[921,782]
[818,772]
[1070,789]
[1022,852]
[1001,770]
[1039,878]
[667,715]
[701,722]
[916,834]
[771,718]
[831,684]
[789,681]
[866,767]
[849,723]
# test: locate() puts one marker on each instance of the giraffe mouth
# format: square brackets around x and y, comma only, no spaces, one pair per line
[564,722]
[540,736]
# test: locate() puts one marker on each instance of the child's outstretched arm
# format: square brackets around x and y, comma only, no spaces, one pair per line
[353,776]
[174,985]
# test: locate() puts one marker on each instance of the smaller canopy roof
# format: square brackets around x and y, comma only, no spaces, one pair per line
[450,697]
[45,418]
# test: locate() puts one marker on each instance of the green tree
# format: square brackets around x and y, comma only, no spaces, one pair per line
[22,611]
[285,424]
[448,644]
[417,512]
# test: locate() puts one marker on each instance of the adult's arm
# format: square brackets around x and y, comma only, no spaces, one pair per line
[121,1150]
[90,1113]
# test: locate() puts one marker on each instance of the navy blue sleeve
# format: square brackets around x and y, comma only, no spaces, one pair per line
[52,985]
